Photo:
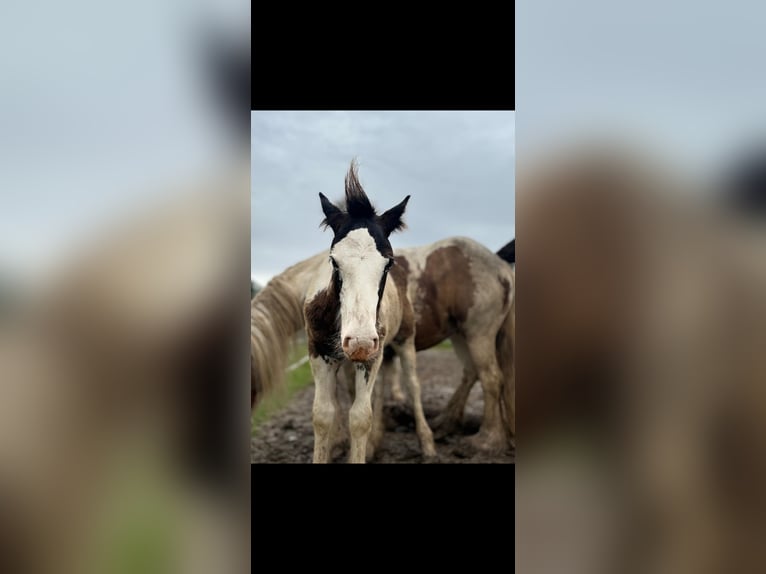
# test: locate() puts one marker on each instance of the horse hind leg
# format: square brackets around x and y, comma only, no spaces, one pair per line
[407,354]
[509,393]
[450,419]
[492,436]
[392,375]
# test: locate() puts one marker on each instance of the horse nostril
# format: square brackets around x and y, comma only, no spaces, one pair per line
[375,343]
[346,342]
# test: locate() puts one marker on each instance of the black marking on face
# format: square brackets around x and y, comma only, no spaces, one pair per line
[382,285]
[382,244]
[336,280]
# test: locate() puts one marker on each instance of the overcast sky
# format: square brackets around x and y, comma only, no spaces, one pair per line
[106,107]
[684,76]
[457,166]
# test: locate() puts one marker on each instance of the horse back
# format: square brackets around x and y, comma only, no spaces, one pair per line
[454,285]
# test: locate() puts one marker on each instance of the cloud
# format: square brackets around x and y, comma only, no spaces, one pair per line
[458,167]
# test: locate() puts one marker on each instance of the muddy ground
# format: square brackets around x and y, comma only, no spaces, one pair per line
[288,436]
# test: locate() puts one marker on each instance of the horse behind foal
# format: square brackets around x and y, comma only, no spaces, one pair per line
[463,291]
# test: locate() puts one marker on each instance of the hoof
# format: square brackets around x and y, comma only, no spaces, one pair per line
[445,425]
[433,459]
[373,446]
[429,451]
[489,444]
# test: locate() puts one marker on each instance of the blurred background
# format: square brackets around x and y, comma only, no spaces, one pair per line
[124,188]
[108,112]
[641,287]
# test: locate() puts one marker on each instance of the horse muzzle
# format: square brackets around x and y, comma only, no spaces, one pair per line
[360,349]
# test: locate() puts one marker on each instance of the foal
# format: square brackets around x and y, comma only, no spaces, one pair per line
[351,313]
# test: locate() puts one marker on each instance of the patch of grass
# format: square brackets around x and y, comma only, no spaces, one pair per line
[445,344]
[140,524]
[277,400]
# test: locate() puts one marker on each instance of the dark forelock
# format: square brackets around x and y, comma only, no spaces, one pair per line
[357,203]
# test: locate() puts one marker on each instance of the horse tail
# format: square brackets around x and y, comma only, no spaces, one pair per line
[505,350]
[276,315]
[508,252]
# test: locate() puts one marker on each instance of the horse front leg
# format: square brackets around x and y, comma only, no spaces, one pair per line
[406,352]
[324,410]
[360,414]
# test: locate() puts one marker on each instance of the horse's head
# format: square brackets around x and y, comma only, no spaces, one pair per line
[361,257]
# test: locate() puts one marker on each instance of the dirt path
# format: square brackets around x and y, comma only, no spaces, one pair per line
[289,437]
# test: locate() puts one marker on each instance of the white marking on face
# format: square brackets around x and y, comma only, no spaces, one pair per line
[361,267]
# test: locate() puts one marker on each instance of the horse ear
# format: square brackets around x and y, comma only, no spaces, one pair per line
[333,216]
[391,220]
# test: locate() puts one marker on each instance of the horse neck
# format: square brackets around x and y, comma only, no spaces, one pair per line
[302,276]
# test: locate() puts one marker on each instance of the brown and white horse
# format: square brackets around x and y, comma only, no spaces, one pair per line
[351,313]
[463,291]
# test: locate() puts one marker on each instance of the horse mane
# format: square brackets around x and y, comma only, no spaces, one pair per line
[276,314]
[358,204]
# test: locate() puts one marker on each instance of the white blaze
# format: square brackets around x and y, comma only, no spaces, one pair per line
[361,268]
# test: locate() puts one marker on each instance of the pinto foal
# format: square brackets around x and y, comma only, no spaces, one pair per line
[352,312]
